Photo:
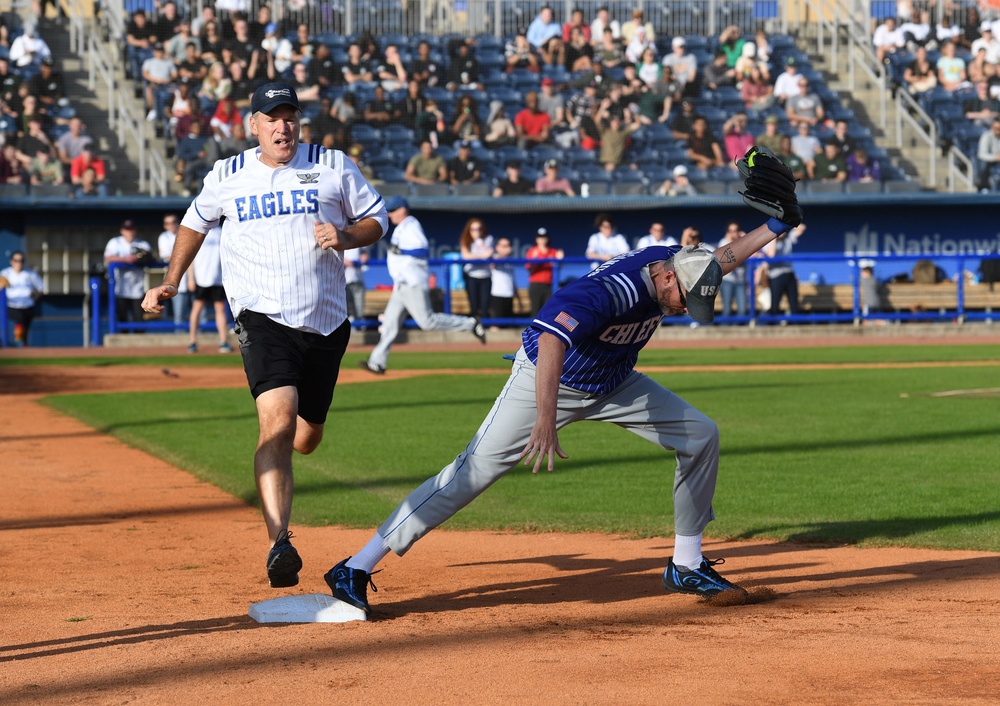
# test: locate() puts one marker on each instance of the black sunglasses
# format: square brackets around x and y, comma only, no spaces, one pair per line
[684,302]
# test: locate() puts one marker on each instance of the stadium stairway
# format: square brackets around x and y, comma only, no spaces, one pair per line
[91,106]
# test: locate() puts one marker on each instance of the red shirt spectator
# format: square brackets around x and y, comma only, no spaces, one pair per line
[532,124]
[86,160]
[226,116]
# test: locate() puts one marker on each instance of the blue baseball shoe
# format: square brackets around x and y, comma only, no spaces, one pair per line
[350,585]
[283,562]
[703,581]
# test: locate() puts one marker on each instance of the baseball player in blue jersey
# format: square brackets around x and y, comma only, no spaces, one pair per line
[288,212]
[576,363]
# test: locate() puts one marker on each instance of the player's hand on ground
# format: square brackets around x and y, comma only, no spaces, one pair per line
[327,236]
[151,302]
[544,442]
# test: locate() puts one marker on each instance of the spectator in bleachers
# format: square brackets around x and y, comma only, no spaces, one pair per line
[159,74]
[512,184]
[280,49]
[552,53]
[583,103]
[862,168]
[602,21]
[29,48]
[731,43]
[138,43]
[579,52]
[978,69]
[702,146]
[844,142]
[617,104]
[304,46]
[257,29]
[380,110]
[463,168]
[632,27]
[463,72]
[308,92]
[748,62]
[640,43]
[390,72]
[424,68]
[90,186]
[356,70]
[519,54]
[806,145]
[11,169]
[770,138]
[792,160]
[241,85]
[551,183]
[806,107]
[466,125]
[71,143]
[191,158]
[356,153]
[633,87]
[970,28]
[982,109]
[988,156]
[757,93]
[615,137]
[988,42]
[682,122]
[177,44]
[500,130]
[736,138]
[199,23]
[607,51]
[605,243]
[718,73]
[649,70]
[192,67]
[166,22]
[9,82]
[29,110]
[212,44]
[430,124]
[240,48]
[326,124]
[426,167]
[683,65]
[787,83]
[554,104]
[235,143]
[47,86]
[917,32]
[763,49]
[532,125]
[543,28]
[576,22]
[951,69]
[413,103]
[830,165]
[194,115]
[225,119]
[345,111]
[946,30]
[34,141]
[180,102]
[920,76]
[677,184]
[887,39]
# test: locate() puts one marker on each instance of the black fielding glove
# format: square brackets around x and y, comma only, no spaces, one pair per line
[769,186]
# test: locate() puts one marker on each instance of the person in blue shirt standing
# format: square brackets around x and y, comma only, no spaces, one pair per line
[577,362]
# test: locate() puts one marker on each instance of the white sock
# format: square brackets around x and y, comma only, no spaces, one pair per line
[687,551]
[375,551]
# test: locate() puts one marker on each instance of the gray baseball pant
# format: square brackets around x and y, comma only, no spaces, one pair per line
[639,404]
[417,301]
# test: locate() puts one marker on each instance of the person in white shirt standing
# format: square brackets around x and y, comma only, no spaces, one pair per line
[355,263]
[657,236]
[290,212]
[205,281]
[407,263]
[130,282]
[181,304]
[24,289]
[605,243]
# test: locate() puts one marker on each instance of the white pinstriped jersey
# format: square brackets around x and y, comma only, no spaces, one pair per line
[271,263]
[604,319]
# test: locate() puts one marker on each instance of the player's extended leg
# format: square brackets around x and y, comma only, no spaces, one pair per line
[392,320]
[418,303]
[272,465]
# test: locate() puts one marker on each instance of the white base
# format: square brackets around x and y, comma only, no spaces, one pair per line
[307,608]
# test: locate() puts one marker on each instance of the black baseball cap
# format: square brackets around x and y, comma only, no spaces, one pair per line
[271,95]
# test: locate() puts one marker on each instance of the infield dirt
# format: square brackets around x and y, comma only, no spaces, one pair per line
[126,580]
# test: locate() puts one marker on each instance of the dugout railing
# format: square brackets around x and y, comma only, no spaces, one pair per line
[823,299]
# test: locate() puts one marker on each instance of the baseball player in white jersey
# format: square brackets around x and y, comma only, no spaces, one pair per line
[577,362]
[407,263]
[206,277]
[288,211]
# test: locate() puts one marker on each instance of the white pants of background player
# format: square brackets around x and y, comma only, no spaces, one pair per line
[417,301]
[639,404]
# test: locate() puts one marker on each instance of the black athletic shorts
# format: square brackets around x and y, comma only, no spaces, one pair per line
[216,293]
[278,356]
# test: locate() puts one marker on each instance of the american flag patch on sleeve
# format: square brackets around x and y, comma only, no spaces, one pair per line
[566,321]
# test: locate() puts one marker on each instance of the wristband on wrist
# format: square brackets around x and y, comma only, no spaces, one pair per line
[776,226]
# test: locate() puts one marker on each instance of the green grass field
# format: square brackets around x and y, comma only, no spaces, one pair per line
[866,456]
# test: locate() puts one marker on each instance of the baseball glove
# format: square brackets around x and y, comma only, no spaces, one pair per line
[143,257]
[769,186]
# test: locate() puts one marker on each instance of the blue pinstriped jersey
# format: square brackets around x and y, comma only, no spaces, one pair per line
[604,319]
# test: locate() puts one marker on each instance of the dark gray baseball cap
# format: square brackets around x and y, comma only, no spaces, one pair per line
[701,276]
[271,95]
